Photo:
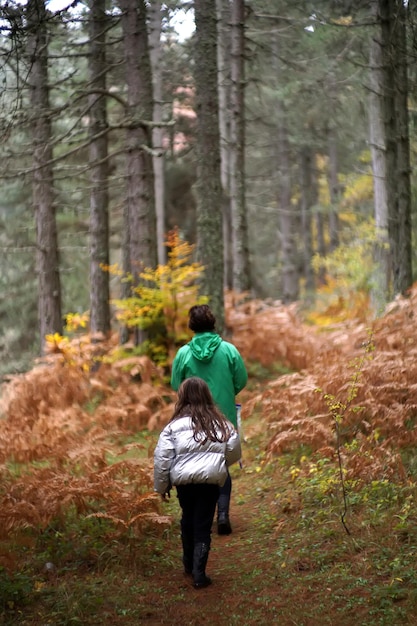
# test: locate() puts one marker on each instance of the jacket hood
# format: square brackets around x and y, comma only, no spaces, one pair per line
[204,345]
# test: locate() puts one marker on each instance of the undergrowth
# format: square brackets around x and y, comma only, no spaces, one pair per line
[289,560]
[83,540]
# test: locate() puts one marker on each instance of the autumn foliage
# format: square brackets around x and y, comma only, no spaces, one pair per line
[60,439]
[65,424]
[376,359]
[159,304]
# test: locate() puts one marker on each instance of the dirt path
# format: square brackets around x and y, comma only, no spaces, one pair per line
[243,592]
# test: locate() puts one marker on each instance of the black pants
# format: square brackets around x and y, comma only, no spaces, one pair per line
[198,504]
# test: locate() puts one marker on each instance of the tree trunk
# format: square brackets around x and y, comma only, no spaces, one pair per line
[380,278]
[223,61]
[334,189]
[140,180]
[240,247]
[126,287]
[49,296]
[306,205]
[393,40]
[99,197]
[209,190]
[403,278]
[155,25]
[321,246]
[289,272]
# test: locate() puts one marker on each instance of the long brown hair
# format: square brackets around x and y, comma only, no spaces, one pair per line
[195,400]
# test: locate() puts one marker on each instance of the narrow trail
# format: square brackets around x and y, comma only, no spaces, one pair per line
[242,591]
[259,577]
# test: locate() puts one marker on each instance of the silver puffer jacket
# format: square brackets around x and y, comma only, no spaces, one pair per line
[180,460]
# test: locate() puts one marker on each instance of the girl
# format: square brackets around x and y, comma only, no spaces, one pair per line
[193,453]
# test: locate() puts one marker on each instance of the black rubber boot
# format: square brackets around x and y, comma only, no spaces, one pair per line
[223,506]
[223,524]
[223,521]
[187,553]
[201,552]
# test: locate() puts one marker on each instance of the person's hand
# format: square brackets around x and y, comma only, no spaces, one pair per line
[165,496]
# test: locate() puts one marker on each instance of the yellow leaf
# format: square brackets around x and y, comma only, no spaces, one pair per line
[39,585]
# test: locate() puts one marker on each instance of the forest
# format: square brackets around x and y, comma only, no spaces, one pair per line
[277,139]
[262,162]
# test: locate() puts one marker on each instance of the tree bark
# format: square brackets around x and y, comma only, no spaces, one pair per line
[140,180]
[47,257]
[289,273]
[321,246]
[393,40]
[155,26]
[224,80]
[306,205]
[334,189]
[240,247]
[209,189]
[381,273]
[403,278]
[99,197]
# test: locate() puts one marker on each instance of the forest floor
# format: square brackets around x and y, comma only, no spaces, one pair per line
[289,561]
[84,541]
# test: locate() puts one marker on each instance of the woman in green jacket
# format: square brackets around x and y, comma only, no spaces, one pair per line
[220,364]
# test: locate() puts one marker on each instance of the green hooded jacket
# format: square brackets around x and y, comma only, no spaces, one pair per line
[218,363]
